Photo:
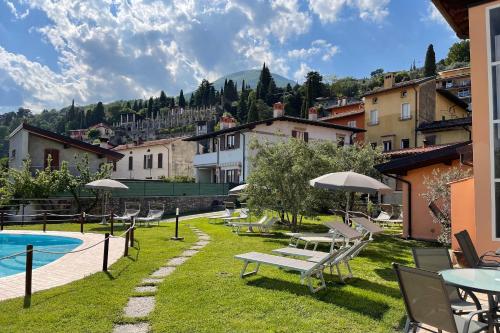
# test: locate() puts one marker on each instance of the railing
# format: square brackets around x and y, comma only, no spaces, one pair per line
[82,218]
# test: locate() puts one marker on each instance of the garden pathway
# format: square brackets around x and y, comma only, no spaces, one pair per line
[142,303]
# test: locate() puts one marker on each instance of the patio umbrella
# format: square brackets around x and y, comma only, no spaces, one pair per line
[349,181]
[106,185]
[238,189]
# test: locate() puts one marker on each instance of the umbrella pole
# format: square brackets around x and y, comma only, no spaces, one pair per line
[346,220]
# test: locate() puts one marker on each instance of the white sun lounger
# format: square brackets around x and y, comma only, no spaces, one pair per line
[385,219]
[227,213]
[263,225]
[243,215]
[367,227]
[154,215]
[306,268]
[340,233]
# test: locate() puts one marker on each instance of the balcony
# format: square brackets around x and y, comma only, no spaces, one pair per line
[205,159]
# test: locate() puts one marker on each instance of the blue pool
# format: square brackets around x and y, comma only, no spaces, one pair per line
[14,243]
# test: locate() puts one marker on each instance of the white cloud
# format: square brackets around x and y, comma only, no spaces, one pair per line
[433,15]
[318,47]
[14,11]
[300,74]
[369,10]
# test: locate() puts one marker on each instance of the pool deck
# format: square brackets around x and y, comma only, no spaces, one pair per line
[68,268]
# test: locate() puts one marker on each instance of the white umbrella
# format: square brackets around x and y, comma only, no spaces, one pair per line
[238,189]
[350,181]
[106,184]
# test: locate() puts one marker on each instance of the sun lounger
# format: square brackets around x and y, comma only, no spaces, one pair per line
[129,214]
[243,215]
[367,227]
[307,269]
[227,213]
[263,225]
[154,215]
[385,219]
[348,235]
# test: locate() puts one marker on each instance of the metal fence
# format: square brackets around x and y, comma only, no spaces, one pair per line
[158,188]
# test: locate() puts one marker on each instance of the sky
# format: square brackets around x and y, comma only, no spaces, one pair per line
[52,52]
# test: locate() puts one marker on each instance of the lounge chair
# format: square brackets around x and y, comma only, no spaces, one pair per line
[384,219]
[154,215]
[264,225]
[366,227]
[307,269]
[471,255]
[435,259]
[131,211]
[243,215]
[427,303]
[227,213]
[347,234]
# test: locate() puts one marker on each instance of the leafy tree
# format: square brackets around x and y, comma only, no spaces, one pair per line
[93,134]
[348,87]
[377,72]
[150,107]
[253,113]
[458,52]
[182,101]
[438,195]
[430,62]
[163,99]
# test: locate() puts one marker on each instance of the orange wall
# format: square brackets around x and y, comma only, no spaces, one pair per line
[422,224]
[462,209]
[360,123]
[481,131]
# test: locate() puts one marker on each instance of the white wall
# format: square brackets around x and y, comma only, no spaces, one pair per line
[18,145]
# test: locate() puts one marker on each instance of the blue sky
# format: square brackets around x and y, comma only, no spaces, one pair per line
[53,52]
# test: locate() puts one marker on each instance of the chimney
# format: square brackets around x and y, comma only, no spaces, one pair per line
[313,113]
[227,122]
[344,101]
[389,80]
[278,110]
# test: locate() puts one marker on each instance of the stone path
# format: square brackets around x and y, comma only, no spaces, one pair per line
[140,306]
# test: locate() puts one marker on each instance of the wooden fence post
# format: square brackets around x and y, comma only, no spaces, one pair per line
[1,220]
[106,250]
[127,237]
[29,276]
[45,222]
[82,220]
[132,236]
[112,220]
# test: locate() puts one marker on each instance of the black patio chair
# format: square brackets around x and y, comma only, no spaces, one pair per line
[427,303]
[436,259]
[470,254]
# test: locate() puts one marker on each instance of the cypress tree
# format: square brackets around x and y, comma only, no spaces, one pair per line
[163,99]
[182,101]
[242,108]
[253,113]
[430,62]
[150,107]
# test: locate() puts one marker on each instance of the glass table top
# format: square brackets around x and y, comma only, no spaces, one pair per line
[487,280]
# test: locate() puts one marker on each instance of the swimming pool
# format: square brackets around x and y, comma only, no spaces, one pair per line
[14,243]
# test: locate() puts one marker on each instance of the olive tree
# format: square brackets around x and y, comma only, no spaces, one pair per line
[281,171]
[438,197]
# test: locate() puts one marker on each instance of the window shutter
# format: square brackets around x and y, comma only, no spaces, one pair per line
[294,134]
[222,140]
[145,162]
[237,141]
[160,160]
[130,163]
[306,136]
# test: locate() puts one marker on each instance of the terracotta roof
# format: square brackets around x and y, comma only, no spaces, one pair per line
[270,121]
[147,143]
[412,151]
[67,141]
[399,85]
[443,154]
[444,124]
[342,115]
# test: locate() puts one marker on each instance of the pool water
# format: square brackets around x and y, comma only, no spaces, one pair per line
[14,243]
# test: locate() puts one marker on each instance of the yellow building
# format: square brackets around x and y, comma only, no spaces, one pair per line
[395,111]
[457,81]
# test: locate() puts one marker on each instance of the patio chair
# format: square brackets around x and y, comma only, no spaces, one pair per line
[132,209]
[227,213]
[154,215]
[307,269]
[264,225]
[436,259]
[243,215]
[366,227]
[470,254]
[426,300]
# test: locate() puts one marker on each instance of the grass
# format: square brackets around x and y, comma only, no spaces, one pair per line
[205,294]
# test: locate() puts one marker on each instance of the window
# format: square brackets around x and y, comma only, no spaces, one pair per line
[114,165]
[448,84]
[300,135]
[160,160]
[230,140]
[405,111]
[13,154]
[351,123]
[214,144]
[340,140]
[388,145]
[148,161]
[131,163]
[465,92]
[430,140]
[375,100]
[373,117]
[232,176]
[399,185]
[374,145]
[404,93]
[405,143]
[54,158]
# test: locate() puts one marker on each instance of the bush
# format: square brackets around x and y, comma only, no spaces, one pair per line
[178,179]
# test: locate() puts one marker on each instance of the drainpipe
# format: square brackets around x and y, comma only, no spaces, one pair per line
[416,114]
[409,199]
[243,165]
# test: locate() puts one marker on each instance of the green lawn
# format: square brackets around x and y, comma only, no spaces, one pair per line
[205,294]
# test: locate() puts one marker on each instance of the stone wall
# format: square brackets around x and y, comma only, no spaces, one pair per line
[186,204]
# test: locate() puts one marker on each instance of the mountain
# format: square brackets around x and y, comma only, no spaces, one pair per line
[251,78]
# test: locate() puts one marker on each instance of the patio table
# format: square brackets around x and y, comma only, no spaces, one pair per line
[486,281]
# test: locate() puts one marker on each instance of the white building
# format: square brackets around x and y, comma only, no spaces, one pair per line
[30,142]
[223,156]
[155,159]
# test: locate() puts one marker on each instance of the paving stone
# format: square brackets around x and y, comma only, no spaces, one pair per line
[163,271]
[196,247]
[202,242]
[189,253]
[177,261]
[131,328]
[204,238]
[151,280]
[139,306]
[145,289]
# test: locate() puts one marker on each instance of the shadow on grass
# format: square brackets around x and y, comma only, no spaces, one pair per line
[131,259]
[386,273]
[374,287]
[335,295]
